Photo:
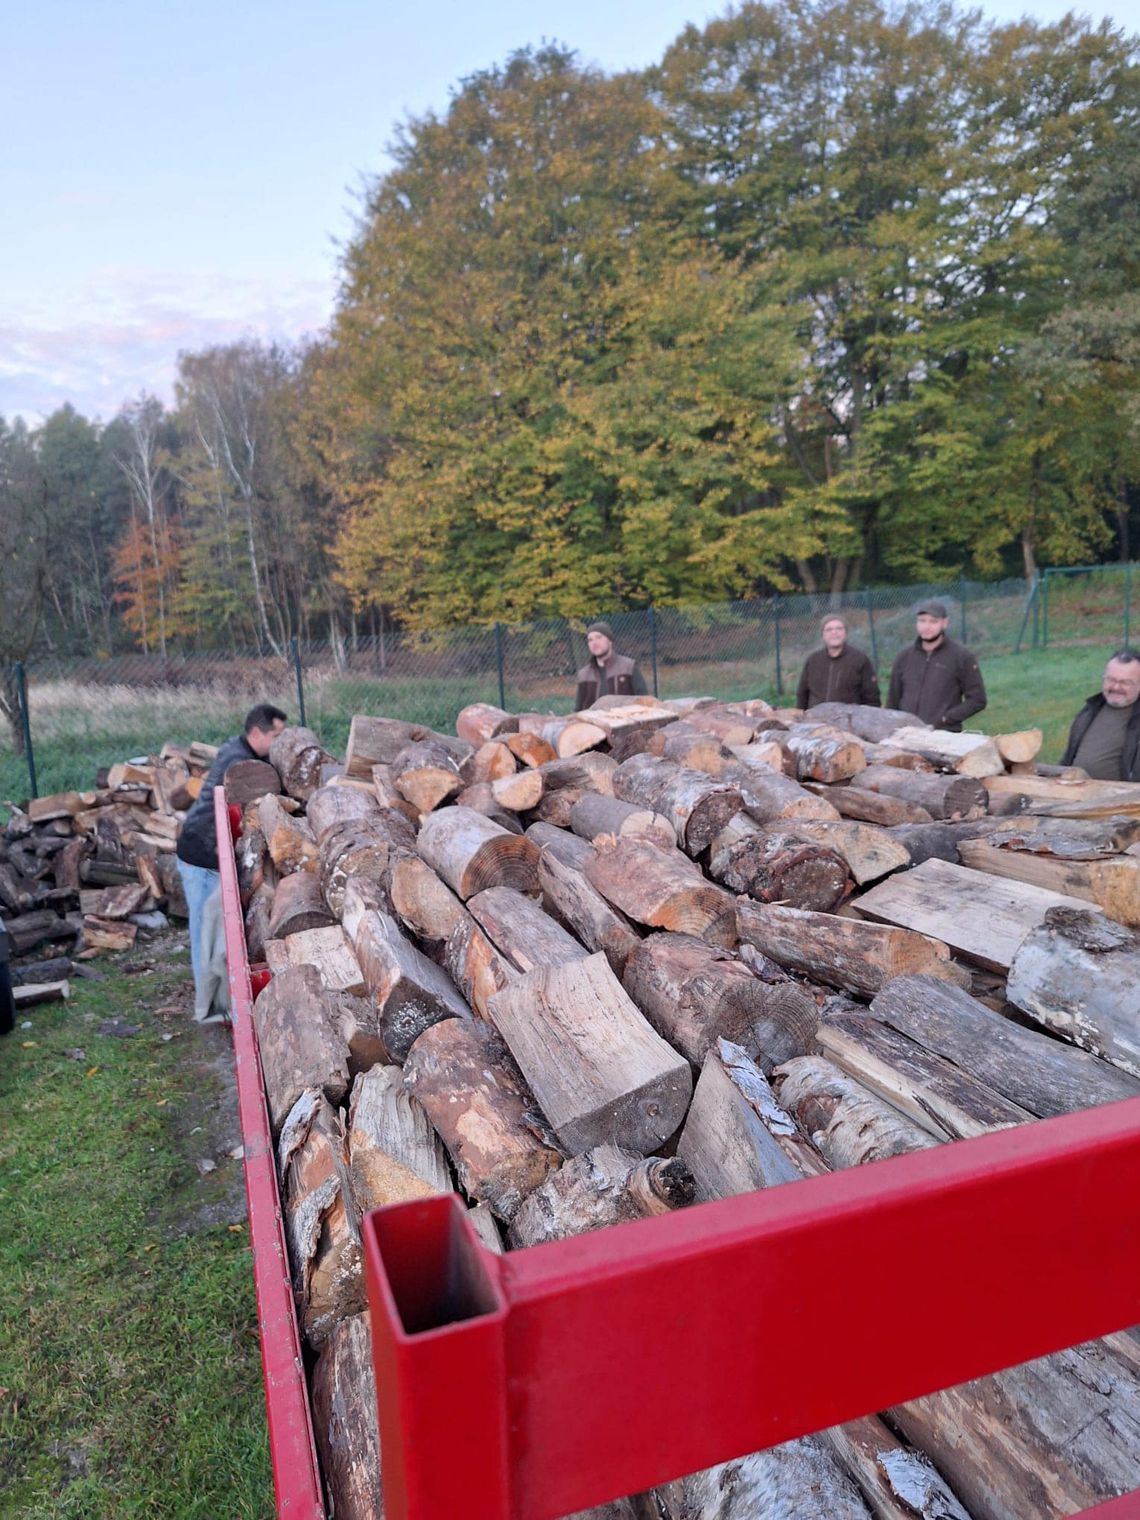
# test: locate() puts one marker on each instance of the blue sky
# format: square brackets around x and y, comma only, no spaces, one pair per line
[180,175]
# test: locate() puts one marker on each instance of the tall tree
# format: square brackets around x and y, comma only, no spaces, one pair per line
[25,552]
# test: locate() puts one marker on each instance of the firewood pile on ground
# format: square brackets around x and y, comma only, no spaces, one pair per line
[590,969]
[83,872]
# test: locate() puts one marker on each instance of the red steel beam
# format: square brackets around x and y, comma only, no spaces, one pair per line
[292,1450]
[528,1386]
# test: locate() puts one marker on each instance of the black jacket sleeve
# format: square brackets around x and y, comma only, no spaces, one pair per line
[637,682]
[868,685]
[973,698]
[803,691]
[894,691]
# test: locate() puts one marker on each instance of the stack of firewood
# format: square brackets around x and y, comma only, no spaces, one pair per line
[590,969]
[77,869]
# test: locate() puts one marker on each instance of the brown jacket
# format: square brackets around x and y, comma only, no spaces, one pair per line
[849,677]
[621,677]
[942,688]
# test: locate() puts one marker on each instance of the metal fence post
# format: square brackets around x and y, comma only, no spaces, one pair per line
[1030,607]
[1045,611]
[300,681]
[499,664]
[779,670]
[871,627]
[962,599]
[653,644]
[1127,603]
[26,727]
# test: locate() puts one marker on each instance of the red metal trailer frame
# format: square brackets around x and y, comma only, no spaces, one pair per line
[606,1364]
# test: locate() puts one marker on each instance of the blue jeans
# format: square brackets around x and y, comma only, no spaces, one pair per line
[207,950]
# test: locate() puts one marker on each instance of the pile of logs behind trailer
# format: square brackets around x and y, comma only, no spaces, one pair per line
[80,871]
[588,969]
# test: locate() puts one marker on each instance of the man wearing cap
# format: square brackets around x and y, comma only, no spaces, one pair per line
[607,674]
[1105,737]
[935,678]
[837,672]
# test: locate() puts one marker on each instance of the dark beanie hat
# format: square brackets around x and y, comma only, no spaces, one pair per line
[603,628]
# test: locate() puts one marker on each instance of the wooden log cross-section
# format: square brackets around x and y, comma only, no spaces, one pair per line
[298,755]
[778,863]
[696,805]
[949,797]
[470,852]
[662,889]
[377,741]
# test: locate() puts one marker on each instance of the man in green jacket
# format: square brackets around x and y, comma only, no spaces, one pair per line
[608,674]
[837,672]
[935,678]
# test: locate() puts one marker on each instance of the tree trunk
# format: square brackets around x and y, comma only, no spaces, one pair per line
[663,890]
[471,853]
[602,1187]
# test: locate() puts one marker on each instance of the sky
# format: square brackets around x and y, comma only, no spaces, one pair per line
[176,176]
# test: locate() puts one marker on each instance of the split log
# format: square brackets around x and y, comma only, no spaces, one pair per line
[868,852]
[298,903]
[531,749]
[570,849]
[484,1112]
[299,1044]
[58,805]
[394,1154]
[520,792]
[1019,748]
[778,864]
[898,1482]
[248,780]
[965,754]
[800,1480]
[1079,976]
[873,724]
[254,863]
[697,806]
[1068,838]
[568,894]
[662,889]
[572,736]
[1062,797]
[322,1223]
[330,806]
[297,755]
[422,903]
[426,774]
[475,966]
[327,950]
[848,1125]
[771,797]
[683,744]
[693,995]
[471,853]
[484,1225]
[629,727]
[68,860]
[490,762]
[825,754]
[410,992]
[600,1072]
[983,918]
[480,798]
[860,803]
[939,841]
[856,957]
[257,934]
[384,790]
[289,840]
[949,1103]
[595,814]
[115,902]
[602,1187]
[31,994]
[582,773]
[903,759]
[1112,885]
[521,931]
[480,721]
[949,797]
[377,741]
[345,1423]
[1038,1073]
[104,934]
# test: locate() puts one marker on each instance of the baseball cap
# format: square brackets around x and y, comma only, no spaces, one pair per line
[934,609]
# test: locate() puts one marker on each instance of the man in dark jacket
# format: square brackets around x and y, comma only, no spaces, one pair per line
[608,673]
[197,853]
[1105,737]
[837,672]
[935,678]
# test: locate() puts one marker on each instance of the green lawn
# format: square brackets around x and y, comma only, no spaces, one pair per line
[130,1377]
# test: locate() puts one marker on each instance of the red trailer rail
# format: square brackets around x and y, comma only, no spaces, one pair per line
[292,1451]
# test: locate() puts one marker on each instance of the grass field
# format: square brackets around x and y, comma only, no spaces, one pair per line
[130,1378]
[77,733]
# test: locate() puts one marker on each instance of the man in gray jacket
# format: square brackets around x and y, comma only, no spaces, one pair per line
[935,678]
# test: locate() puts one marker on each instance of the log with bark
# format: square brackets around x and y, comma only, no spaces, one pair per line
[696,805]
[594,814]
[685,745]
[771,797]
[297,756]
[1079,975]
[949,797]
[872,724]
[573,735]
[694,994]
[363,850]
[522,931]
[1038,1073]
[300,1045]
[824,753]
[566,781]
[289,840]
[330,806]
[480,798]
[984,918]
[377,741]
[344,1421]
[248,780]
[298,903]
[489,762]
[869,853]
[424,905]
[426,774]
[475,966]
[480,721]
[866,806]
[662,889]
[848,1125]
[478,1101]
[846,953]
[1065,796]
[327,950]
[409,991]
[1113,885]
[567,893]
[939,841]
[963,753]
[1068,838]
[322,1222]
[602,1187]
[600,1072]
[471,853]
[394,1154]
[778,864]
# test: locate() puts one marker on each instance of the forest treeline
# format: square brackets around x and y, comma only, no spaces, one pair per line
[836,292]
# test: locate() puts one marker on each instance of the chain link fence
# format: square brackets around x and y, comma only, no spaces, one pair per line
[69,718]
